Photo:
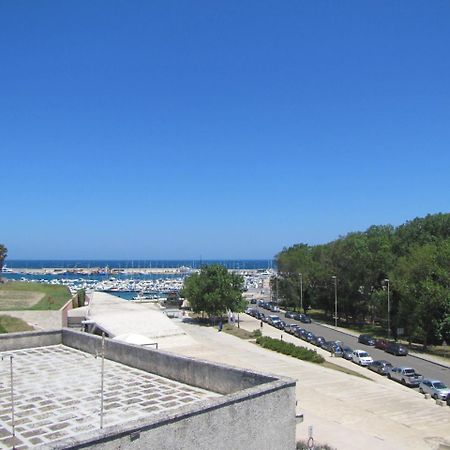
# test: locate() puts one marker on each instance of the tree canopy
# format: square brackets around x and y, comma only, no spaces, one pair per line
[414,257]
[3,254]
[214,290]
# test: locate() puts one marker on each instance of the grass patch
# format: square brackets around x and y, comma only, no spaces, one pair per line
[443,351]
[240,332]
[290,349]
[10,324]
[16,295]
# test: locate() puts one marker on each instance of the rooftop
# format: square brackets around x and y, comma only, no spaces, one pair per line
[57,395]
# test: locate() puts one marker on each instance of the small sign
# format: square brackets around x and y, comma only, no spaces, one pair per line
[400,331]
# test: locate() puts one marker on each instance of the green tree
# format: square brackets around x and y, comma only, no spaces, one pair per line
[3,255]
[214,290]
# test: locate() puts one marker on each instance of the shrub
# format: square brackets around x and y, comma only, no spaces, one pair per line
[290,349]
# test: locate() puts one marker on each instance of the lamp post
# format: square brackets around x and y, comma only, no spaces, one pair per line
[334,277]
[389,308]
[301,292]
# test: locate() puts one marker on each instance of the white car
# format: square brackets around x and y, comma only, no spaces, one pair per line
[361,357]
[437,389]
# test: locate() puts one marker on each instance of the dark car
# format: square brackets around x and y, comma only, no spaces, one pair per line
[396,349]
[381,344]
[347,352]
[299,332]
[253,301]
[448,400]
[380,366]
[280,324]
[366,339]
[333,348]
[305,318]
[318,340]
[309,336]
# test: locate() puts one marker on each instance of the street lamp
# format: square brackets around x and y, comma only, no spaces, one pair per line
[301,291]
[389,308]
[334,277]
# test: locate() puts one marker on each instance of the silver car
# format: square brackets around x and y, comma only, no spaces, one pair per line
[437,389]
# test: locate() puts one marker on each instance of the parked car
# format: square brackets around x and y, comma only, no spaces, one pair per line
[366,339]
[405,375]
[272,319]
[380,366]
[305,318]
[299,332]
[396,349]
[332,347]
[309,336]
[448,400]
[347,352]
[289,314]
[361,357]
[253,301]
[437,389]
[381,344]
[297,316]
[280,324]
[319,341]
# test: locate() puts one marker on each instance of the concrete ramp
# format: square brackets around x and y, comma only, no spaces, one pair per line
[119,317]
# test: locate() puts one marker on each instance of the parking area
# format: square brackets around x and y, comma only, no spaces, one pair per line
[344,411]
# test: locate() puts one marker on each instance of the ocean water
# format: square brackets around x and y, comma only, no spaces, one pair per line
[138,264]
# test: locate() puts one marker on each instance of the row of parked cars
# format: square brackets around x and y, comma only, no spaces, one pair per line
[388,346]
[404,375]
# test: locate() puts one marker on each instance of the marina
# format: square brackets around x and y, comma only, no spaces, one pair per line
[133,283]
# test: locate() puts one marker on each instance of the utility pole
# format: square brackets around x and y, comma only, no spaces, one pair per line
[334,277]
[388,309]
[301,292]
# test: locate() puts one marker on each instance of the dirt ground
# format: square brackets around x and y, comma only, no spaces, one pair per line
[12,300]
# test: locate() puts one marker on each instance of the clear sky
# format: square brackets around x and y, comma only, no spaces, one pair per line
[221,129]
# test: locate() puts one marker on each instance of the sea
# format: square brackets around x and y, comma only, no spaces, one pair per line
[103,264]
[240,264]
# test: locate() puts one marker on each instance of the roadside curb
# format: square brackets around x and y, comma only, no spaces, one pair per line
[414,355]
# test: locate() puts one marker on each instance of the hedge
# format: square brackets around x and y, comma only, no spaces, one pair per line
[290,349]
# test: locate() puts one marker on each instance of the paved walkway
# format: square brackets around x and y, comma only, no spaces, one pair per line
[345,411]
[120,317]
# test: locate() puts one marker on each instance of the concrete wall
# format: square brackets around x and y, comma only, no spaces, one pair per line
[213,377]
[16,341]
[261,420]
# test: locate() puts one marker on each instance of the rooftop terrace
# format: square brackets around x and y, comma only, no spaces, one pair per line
[57,395]
[152,399]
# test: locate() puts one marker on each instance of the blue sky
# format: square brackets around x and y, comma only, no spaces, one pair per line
[137,129]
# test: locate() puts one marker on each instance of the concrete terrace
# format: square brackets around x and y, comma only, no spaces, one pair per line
[57,395]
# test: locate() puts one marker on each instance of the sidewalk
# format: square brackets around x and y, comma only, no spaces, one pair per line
[345,411]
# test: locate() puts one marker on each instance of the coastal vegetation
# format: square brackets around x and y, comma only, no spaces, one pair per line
[10,324]
[32,296]
[3,255]
[214,291]
[290,349]
[409,263]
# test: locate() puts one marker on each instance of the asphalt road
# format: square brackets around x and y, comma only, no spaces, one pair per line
[427,369]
